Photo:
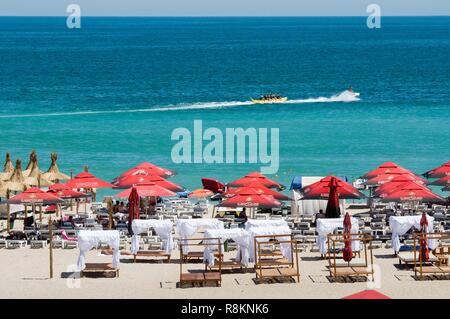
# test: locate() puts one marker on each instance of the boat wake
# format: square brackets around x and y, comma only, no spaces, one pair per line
[342,97]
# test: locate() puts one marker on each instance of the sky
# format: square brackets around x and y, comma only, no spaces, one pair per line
[223,7]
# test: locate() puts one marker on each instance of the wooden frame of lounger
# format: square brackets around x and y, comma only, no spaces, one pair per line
[202,277]
[100,268]
[339,271]
[272,264]
[431,269]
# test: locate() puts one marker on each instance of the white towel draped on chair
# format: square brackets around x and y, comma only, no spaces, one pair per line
[327,226]
[240,236]
[401,224]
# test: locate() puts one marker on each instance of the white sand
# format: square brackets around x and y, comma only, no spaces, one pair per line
[25,274]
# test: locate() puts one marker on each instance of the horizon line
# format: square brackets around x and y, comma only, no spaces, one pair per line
[223,16]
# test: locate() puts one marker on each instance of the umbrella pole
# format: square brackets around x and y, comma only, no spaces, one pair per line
[8,213]
[26,212]
[40,213]
[50,233]
[110,212]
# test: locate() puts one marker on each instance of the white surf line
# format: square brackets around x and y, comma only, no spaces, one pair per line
[196,106]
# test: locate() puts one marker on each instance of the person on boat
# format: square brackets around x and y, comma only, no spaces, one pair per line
[350,89]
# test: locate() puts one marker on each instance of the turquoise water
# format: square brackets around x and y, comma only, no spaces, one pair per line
[110,94]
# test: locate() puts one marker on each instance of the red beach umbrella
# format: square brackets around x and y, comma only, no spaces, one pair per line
[423,241]
[348,253]
[333,210]
[58,187]
[438,172]
[256,200]
[444,181]
[67,193]
[255,186]
[34,196]
[200,193]
[255,177]
[386,168]
[129,181]
[147,190]
[367,294]
[321,189]
[386,178]
[146,168]
[133,208]
[411,191]
[396,182]
[87,180]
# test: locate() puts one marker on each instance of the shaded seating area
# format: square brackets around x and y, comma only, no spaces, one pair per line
[242,240]
[89,239]
[200,277]
[163,229]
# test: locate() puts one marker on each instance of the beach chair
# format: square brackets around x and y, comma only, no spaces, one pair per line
[38,244]
[100,268]
[13,243]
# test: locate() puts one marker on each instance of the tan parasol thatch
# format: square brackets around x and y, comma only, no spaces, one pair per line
[2,189]
[17,182]
[53,173]
[8,169]
[31,163]
[35,177]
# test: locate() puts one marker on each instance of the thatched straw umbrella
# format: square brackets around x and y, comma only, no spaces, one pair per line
[53,173]
[16,183]
[35,177]
[8,168]
[31,164]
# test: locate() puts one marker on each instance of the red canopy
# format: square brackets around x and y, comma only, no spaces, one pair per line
[67,193]
[386,168]
[386,178]
[256,200]
[58,187]
[348,253]
[147,190]
[35,196]
[411,191]
[146,168]
[395,182]
[133,209]
[259,188]
[129,181]
[333,210]
[213,185]
[444,181]
[367,294]
[321,190]
[200,193]
[438,172]
[255,177]
[87,180]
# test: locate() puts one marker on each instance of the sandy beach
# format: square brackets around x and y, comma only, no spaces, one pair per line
[26,274]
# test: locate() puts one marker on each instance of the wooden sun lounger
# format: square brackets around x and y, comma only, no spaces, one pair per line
[228,264]
[353,271]
[408,258]
[201,278]
[99,268]
[196,255]
[152,253]
[278,273]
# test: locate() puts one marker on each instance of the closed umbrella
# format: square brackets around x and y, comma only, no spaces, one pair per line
[348,253]
[133,208]
[425,256]
[333,210]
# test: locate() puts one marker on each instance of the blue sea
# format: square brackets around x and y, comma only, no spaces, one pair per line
[110,94]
